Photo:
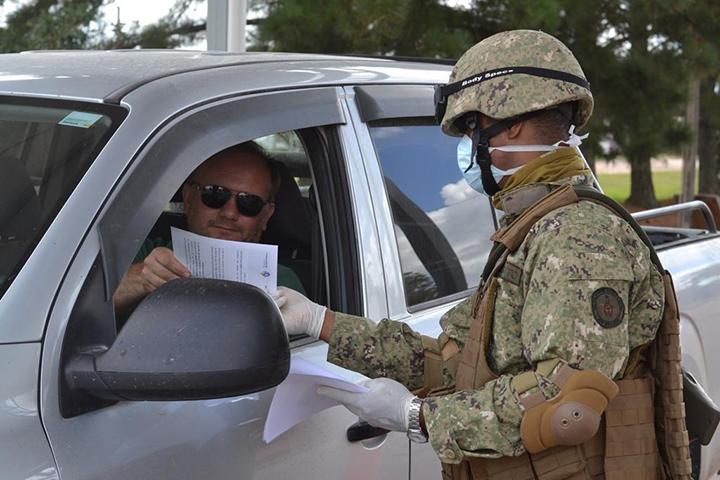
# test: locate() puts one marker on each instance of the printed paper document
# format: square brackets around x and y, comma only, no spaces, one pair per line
[296,399]
[206,257]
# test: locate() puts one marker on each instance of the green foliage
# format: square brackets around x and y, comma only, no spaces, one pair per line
[50,24]
[637,54]
[76,24]
[419,288]
[171,31]
[667,184]
[375,27]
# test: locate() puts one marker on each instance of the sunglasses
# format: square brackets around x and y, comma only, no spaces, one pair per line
[215,196]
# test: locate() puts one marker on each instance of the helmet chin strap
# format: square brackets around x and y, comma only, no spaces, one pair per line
[481,140]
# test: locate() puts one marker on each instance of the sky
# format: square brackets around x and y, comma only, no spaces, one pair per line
[142,11]
[430,178]
[146,12]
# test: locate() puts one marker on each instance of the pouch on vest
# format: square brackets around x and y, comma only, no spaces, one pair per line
[631,419]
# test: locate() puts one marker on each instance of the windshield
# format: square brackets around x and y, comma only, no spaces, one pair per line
[45,148]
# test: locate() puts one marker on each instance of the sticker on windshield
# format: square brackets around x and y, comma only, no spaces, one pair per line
[80,119]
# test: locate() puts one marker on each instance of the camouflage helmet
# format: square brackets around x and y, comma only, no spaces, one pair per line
[512,73]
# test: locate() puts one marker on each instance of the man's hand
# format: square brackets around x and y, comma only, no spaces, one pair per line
[300,315]
[159,267]
[385,405]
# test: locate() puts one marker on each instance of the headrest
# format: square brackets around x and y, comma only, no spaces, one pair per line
[20,211]
[291,224]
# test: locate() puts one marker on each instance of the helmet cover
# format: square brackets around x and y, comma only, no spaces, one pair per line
[487,82]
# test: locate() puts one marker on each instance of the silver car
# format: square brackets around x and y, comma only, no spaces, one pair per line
[373,217]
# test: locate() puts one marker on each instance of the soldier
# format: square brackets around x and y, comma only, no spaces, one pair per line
[570,301]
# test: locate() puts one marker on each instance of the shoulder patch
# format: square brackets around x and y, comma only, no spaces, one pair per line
[607,307]
[511,273]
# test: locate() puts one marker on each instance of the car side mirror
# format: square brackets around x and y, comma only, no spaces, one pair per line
[190,339]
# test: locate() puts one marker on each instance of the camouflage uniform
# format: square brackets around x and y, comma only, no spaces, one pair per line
[581,287]
[545,312]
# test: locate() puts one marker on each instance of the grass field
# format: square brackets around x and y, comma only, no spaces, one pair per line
[617,185]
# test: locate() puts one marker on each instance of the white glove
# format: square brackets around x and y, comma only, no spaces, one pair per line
[300,315]
[385,405]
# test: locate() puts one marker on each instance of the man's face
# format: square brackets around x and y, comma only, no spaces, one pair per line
[238,172]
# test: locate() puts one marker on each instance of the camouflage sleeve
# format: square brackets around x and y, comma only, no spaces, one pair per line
[456,321]
[386,349]
[581,277]
[392,349]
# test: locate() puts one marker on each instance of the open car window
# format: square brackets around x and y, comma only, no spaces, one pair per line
[293,227]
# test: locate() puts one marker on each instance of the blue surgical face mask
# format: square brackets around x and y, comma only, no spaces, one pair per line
[471,170]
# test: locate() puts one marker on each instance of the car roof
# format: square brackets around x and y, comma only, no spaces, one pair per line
[108,76]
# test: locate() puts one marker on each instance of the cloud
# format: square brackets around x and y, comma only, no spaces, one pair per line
[467,225]
[457,192]
[466,221]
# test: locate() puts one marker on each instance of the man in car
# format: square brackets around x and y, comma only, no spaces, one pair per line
[520,383]
[230,196]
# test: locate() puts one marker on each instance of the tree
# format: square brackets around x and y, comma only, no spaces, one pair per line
[709,135]
[694,24]
[637,54]
[373,27]
[50,24]
[79,24]
[419,288]
[171,31]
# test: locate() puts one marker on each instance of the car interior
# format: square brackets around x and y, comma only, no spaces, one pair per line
[294,227]
[42,159]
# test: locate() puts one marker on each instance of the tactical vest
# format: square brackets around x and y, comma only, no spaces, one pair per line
[643,435]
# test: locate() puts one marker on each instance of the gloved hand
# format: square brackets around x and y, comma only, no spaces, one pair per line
[300,315]
[385,405]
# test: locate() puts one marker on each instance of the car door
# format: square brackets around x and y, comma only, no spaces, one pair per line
[219,438]
[434,230]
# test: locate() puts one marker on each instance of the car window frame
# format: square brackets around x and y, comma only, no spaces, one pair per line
[115,113]
[406,105]
[131,209]
[151,181]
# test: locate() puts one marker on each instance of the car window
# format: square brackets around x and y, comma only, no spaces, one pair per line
[45,148]
[442,226]
[293,226]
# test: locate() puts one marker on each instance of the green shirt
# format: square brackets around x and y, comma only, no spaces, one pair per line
[286,277]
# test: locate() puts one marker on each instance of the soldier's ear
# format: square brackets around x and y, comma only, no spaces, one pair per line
[515,130]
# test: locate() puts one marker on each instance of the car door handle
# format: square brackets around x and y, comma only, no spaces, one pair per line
[362,431]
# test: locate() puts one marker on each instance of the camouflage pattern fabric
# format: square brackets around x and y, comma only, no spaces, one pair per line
[387,349]
[588,294]
[507,96]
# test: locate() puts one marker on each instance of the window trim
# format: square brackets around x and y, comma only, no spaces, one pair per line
[338,228]
[436,302]
[116,114]
[174,151]
[381,102]
[443,300]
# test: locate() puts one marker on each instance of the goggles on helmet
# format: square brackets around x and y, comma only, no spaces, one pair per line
[442,92]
